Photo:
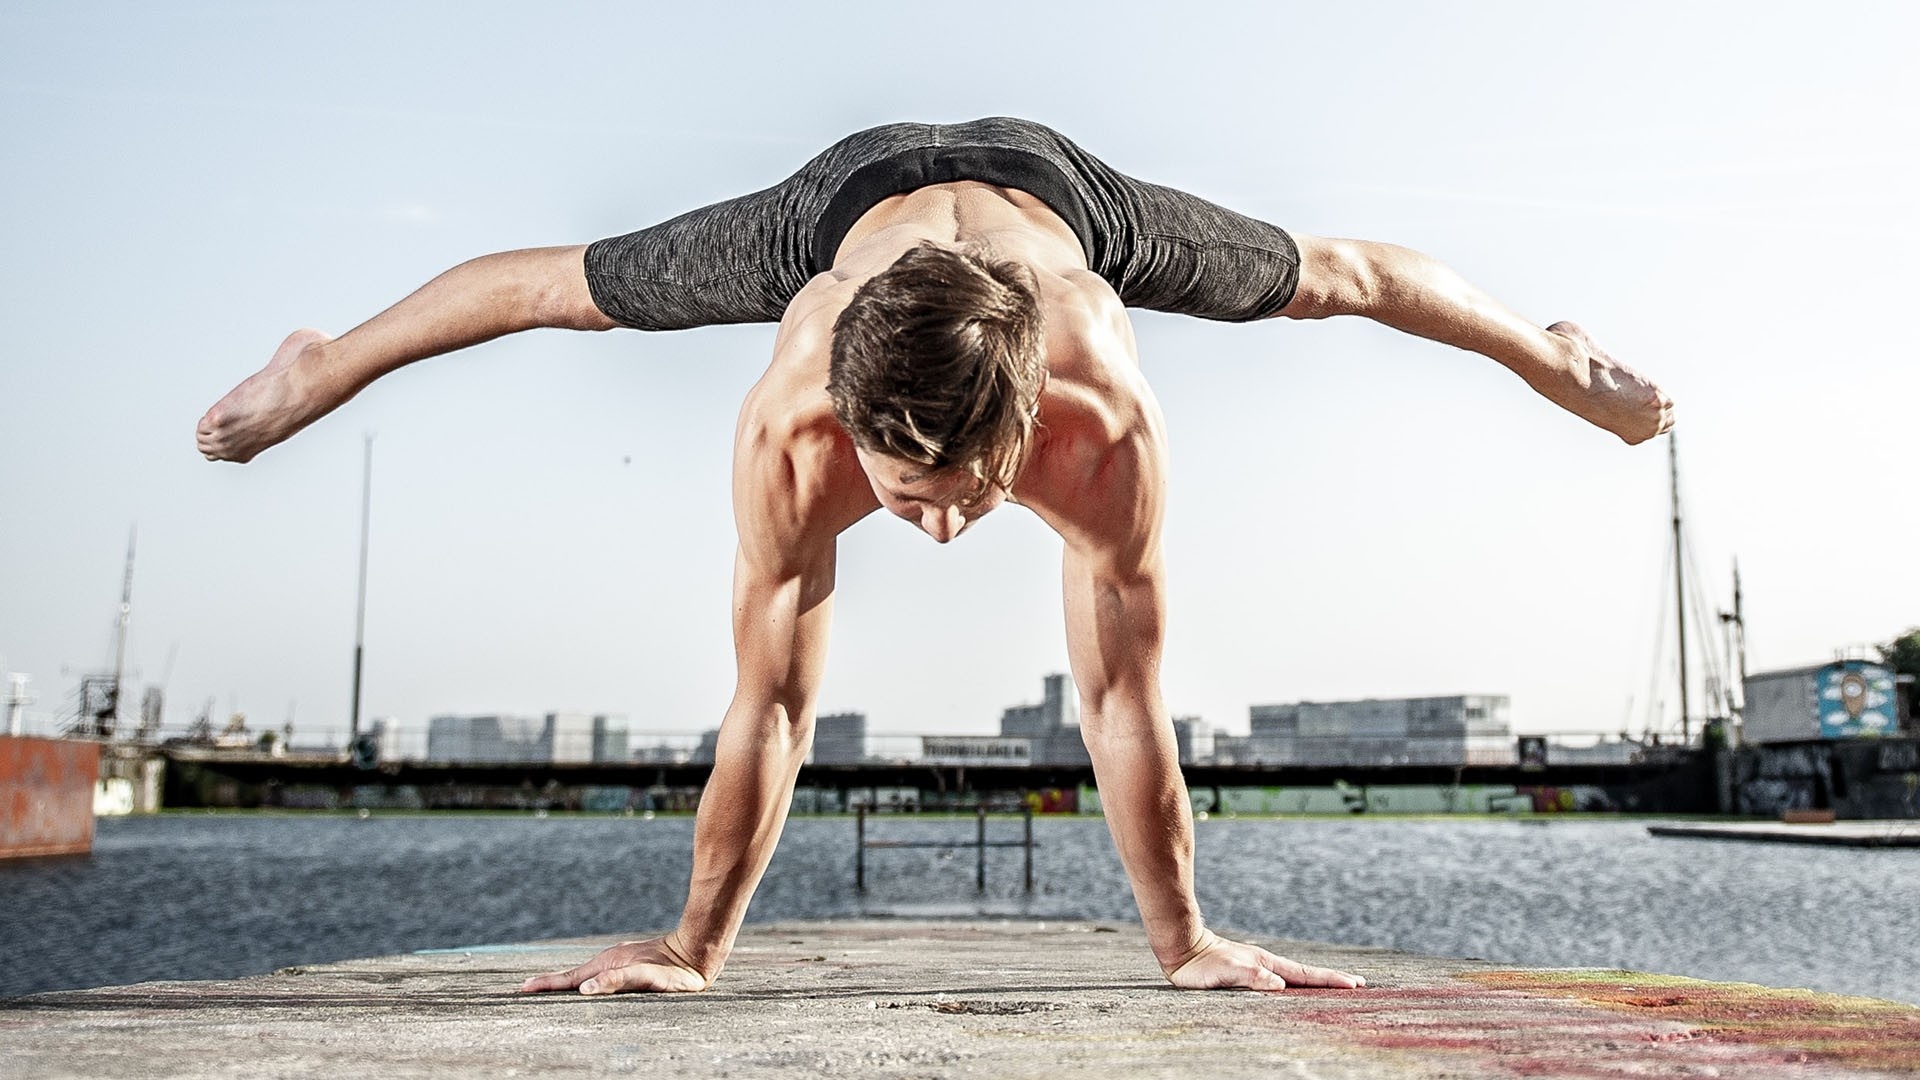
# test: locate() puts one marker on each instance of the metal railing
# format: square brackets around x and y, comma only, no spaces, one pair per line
[407,743]
[979,843]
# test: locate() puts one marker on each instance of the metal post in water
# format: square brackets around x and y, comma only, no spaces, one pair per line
[980,852]
[860,848]
[1029,846]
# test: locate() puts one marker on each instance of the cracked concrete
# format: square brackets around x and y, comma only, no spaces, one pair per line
[918,998]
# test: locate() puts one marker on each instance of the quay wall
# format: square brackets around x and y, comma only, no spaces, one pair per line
[1676,784]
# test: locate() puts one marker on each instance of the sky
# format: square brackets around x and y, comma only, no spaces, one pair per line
[1720,193]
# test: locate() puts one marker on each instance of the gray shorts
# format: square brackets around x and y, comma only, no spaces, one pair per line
[744,259]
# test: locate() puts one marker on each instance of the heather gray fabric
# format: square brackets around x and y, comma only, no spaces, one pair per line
[742,260]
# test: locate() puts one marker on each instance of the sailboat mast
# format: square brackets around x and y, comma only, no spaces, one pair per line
[1673,464]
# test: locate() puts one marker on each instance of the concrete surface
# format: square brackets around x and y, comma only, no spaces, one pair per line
[918,998]
[1829,833]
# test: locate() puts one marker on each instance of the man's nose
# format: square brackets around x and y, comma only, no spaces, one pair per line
[941,522]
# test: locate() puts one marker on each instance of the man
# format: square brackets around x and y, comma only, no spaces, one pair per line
[952,334]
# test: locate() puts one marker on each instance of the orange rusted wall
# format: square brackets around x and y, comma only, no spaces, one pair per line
[46,796]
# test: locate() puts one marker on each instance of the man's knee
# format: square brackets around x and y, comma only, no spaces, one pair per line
[1337,277]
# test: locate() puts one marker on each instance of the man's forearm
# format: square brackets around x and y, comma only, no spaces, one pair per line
[1137,766]
[741,814]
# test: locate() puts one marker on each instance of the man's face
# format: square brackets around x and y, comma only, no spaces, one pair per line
[931,500]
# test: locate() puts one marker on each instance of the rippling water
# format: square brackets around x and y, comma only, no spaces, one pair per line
[196,897]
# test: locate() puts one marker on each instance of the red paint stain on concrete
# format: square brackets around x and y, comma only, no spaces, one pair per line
[1614,1024]
[1797,1025]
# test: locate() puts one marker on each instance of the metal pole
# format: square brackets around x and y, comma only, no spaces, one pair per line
[120,636]
[860,849]
[1740,628]
[360,613]
[1029,846]
[1679,588]
[980,852]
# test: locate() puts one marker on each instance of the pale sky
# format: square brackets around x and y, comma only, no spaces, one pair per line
[1721,193]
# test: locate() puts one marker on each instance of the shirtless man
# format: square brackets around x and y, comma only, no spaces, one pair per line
[953,335]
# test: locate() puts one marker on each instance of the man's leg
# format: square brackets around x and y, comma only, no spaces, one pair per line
[311,374]
[1410,292]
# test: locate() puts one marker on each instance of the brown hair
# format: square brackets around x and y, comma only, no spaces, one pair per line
[937,361]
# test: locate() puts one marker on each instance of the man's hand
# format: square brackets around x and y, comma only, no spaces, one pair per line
[630,967]
[1219,964]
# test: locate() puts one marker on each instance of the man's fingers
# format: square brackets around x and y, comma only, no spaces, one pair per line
[1263,977]
[1298,974]
[658,978]
[553,980]
[563,980]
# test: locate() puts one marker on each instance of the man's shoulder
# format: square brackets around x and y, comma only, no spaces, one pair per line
[796,481]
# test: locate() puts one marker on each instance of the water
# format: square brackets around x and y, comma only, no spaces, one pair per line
[197,897]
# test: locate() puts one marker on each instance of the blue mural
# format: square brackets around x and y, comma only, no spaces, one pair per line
[1855,700]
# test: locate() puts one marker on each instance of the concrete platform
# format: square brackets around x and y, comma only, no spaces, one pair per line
[964,999]
[1879,834]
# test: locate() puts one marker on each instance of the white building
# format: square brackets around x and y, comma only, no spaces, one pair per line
[1463,729]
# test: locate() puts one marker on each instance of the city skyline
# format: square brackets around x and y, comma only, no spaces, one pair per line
[1350,513]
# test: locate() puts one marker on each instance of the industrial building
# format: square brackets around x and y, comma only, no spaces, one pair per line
[1051,727]
[1195,738]
[1464,729]
[840,739]
[568,738]
[1845,699]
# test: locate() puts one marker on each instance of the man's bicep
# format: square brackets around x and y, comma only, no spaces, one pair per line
[782,611]
[1116,625]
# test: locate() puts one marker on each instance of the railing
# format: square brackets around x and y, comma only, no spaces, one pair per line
[980,844]
[409,744]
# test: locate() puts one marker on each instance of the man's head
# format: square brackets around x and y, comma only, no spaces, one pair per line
[936,362]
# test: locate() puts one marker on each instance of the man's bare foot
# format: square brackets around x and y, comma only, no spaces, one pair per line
[1615,397]
[1220,964]
[266,409]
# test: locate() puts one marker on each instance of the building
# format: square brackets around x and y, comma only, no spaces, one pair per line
[561,738]
[1195,738]
[1466,729]
[1051,727]
[610,738]
[840,739]
[569,738]
[580,738]
[1845,699]
[486,738]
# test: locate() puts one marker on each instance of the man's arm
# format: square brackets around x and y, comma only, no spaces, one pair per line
[311,374]
[780,621]
[1115,600]
[1413,293]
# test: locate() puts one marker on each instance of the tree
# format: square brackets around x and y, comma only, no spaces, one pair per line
[1902,654]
